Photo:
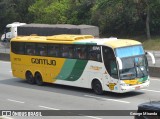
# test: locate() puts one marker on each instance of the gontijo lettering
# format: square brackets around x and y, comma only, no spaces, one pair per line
[43,61]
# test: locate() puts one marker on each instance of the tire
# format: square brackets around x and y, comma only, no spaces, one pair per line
[97,87]
[30,78]
[38,79]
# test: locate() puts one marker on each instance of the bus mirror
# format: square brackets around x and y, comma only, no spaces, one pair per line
[119,63]
[152,57]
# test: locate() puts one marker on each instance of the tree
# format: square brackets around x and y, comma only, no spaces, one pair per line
[21,7]
[14,11]
[79,11]
[62,11]
[7,13]
[143,10]
[114,17]
[147,10]
[49,11]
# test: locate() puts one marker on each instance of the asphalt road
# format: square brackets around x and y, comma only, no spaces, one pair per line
[16,94]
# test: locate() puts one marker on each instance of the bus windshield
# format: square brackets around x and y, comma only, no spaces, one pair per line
[129,51]
[134,62]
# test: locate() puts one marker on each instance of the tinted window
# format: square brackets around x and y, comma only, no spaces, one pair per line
[17,47]
[67,51]
[94,53]
[53,50]
[81,52]
[41,49]
[110,62]
[30,48]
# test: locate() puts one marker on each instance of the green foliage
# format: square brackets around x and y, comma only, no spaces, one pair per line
[14,11]
[113,17]
[153,44]
[62,11]
[49,11]
[155,19]
[21,8]
[7,13]
[80,12]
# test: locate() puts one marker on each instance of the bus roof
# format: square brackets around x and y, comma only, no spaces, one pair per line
[122,43]
[78,39]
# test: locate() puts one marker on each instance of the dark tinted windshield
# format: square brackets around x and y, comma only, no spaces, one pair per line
[134,67]
[110,62]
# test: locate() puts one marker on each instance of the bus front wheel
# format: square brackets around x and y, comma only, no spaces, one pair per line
[38,79]
[97,87]
[29,77]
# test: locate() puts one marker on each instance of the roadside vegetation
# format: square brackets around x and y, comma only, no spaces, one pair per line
[153,44]
[117,18]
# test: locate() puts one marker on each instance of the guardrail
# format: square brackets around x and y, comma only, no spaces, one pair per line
[4,47]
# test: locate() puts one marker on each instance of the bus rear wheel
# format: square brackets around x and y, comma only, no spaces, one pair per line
[29,77]
[38,79]
[97,87]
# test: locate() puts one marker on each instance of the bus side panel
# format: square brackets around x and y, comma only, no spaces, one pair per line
[18,70]
[71,73]
[48,67]
[83,73]
[95,71]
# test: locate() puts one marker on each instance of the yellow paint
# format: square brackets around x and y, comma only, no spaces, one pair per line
[65,39]
[122,43]
[132,82]
[68,37]
[95,68]
[111,86]
[21,63]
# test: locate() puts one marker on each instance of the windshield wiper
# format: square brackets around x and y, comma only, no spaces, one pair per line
[141,70]
[136,65]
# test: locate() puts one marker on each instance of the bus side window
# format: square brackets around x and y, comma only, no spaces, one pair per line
[94,53]
[67,51]
[17,47]
[110,62]
[70,51]
[64,51]
[53,50]
[30,48]
[80,52]
[41,49]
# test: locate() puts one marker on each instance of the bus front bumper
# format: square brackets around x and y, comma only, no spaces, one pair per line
[128,88]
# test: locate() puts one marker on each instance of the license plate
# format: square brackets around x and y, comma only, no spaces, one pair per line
[137,88]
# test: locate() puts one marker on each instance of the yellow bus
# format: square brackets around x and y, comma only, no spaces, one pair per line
[101,64]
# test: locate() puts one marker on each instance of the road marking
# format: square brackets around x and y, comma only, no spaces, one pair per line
[107,99]
[5,117]
[48,107]
[59,109]
[155,79]
[4,62]
[15,101]
[156,91]
[93,117]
